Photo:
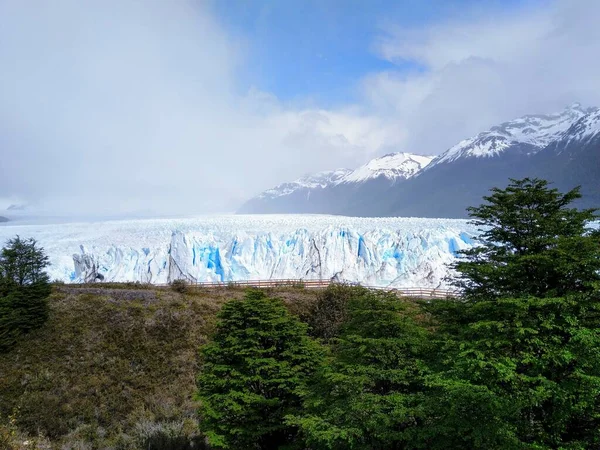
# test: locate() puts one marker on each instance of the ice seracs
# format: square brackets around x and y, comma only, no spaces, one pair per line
[381,252]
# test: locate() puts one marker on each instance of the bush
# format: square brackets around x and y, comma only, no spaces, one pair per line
[330,311]
[180,286]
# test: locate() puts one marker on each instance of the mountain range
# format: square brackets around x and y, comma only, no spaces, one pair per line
[563,148]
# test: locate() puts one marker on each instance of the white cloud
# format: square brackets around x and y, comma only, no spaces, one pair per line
[490,67]
[123,106]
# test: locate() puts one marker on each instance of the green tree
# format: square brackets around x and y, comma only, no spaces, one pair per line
[368,396]
[253,373]
[515,373]
[532,243]
[519,362]
[24,289]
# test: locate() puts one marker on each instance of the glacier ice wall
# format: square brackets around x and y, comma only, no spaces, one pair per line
[398,252]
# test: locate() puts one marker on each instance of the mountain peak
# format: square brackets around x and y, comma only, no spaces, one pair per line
[535,131]
[312,181]
[392,166]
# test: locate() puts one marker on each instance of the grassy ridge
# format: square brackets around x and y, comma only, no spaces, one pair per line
[114,367]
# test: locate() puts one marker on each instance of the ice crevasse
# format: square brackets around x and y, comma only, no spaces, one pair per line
[380,252]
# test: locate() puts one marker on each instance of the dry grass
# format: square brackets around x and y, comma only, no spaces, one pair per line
[114,367]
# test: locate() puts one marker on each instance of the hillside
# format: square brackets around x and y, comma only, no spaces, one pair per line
[114,367]
[3,219]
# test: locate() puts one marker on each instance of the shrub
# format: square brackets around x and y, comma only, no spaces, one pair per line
[330,311]
[180,286]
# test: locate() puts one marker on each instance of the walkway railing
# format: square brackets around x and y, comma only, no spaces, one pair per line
[320,284]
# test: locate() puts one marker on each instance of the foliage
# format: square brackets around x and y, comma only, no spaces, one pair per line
[114,366]
[532,243]
[368,396]
[522,352]
[528,368]
[179,285]
[24,289]
[252,374]
[327,315]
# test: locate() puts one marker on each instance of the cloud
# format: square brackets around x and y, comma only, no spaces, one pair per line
[490,67]
[111,107]
[135,106]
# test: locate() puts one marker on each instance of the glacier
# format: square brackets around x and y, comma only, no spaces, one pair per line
[394,252]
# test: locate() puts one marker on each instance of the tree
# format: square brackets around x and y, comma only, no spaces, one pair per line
[532,243]
[521,353]
[24,289]
[527,368]
[253,373]
[368,396]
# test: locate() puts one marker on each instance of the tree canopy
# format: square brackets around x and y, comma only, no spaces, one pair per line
[512,364]
[24,289]
[253,373]
[531,243]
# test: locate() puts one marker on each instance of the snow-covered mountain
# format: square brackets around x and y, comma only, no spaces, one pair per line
[332,191]
[383,252]
[393,166]
[532,132]
[563,147]
[315,181]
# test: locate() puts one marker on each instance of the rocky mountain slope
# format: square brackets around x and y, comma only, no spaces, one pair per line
[563,147]
[335,191]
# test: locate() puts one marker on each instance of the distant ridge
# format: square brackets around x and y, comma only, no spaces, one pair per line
[562,147]
[332,192]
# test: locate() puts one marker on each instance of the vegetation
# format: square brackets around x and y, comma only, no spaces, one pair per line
[368,395]
[180,286]
[532,243]
[114,367]
[24,290]
[522,349]
[252,373]
[513,364]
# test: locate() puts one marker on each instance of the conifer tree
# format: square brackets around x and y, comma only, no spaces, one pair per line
[24,289]
[253,373]
[521,352]
[368,396]
[532,243]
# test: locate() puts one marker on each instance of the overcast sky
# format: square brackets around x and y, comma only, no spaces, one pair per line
[182,107]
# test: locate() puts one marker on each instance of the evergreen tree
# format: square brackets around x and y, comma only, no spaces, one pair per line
[253,373]
[532,243]
[521,353]
[24,289]
[368,396]
[516,373]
